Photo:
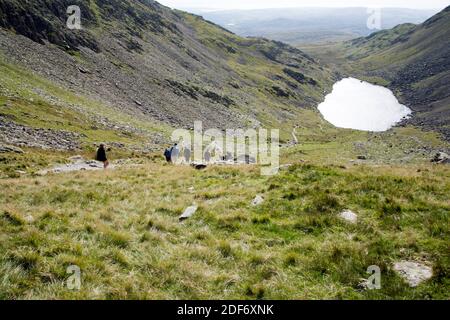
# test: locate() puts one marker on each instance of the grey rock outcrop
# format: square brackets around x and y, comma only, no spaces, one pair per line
[441,157]
[349,216]
[189,212]
[414,273]
[7,149]
[25,136]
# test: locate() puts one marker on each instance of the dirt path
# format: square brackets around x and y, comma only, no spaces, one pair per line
[77,163]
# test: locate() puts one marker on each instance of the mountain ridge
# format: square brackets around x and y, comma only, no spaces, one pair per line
[199,71]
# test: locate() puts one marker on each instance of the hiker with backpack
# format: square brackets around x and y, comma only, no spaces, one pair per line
[172,154]
[167,155]
[101,156]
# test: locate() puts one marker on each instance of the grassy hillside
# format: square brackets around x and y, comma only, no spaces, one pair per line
[410,59]
[121,228]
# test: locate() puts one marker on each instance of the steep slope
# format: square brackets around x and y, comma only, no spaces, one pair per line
[139,59]
[413,60]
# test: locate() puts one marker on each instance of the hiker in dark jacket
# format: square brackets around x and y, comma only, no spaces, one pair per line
[101,156]
[168,155]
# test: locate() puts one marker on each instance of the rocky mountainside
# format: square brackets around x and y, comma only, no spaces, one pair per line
[151,63]
[415,60]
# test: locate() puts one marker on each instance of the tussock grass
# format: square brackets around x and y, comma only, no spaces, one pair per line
[121,228]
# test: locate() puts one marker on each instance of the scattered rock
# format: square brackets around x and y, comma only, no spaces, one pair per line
[441,157]
[199,166]
[41,173]
[6,149]
[413,272]
[257,201]
[285,166]
[94,164]
[188,213]
[24,136]
[83,70]
[279,92]
[361,146]
[75,159]
[75,166]
[349,216]
[364,284]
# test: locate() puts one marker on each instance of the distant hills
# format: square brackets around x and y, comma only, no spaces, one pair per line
[310,25]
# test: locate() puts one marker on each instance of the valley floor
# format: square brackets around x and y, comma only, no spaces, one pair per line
[121,228]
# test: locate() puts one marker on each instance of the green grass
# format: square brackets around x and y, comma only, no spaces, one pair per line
[121,228]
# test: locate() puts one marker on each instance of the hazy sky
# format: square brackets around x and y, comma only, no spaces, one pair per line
[259,4]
